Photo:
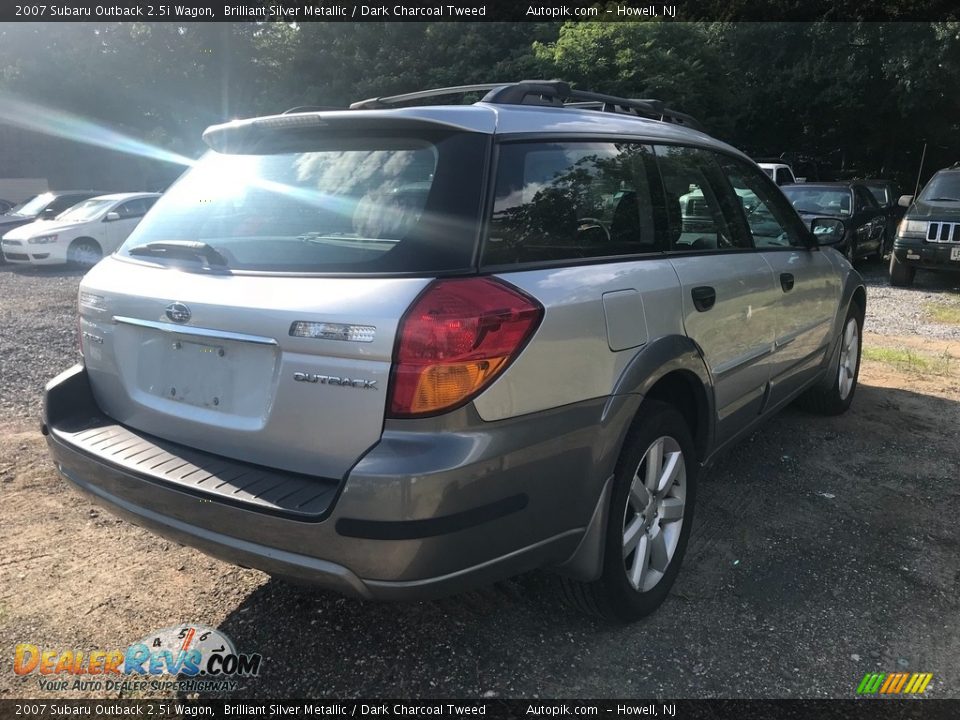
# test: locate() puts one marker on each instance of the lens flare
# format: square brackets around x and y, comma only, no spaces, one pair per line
[50,121]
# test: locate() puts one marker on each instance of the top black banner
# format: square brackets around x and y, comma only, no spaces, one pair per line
[301,11]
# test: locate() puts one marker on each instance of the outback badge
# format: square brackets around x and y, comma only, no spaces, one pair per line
[334,380]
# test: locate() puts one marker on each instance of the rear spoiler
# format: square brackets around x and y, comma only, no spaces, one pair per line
[245,134]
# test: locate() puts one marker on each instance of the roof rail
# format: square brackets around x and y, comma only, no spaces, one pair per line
[555,93]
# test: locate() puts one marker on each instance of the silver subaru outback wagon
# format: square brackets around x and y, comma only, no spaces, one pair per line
[406,348]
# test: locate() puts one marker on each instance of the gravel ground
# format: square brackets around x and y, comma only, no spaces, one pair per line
[900,311]
[823,548]
[38,335]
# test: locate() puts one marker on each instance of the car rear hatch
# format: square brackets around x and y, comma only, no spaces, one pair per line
[253,313]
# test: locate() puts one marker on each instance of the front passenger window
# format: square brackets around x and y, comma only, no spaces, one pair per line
[131,209]
[768,218]
[698,200]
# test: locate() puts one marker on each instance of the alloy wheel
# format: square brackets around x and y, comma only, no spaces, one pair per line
[85,255]
[849,353]
[653,517]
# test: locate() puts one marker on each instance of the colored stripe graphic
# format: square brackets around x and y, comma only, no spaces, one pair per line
[894,683]
[871,683]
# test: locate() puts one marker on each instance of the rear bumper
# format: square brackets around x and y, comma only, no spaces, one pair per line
[430,510]
[925,255]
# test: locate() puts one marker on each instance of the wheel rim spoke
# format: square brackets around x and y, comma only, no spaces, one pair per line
[669,473]
[640,560]
[671,510]
[659,556]
[654,463]
[639,496]
[632,535]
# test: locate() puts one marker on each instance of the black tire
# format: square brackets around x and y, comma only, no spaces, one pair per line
[612,596]
[84,253]
[830,398]
[901,275]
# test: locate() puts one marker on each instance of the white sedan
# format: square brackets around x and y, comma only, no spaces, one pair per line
[80,235]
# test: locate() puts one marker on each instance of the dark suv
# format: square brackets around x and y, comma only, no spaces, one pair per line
[929,234]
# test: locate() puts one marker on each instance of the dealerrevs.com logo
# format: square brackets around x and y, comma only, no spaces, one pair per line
[183,657]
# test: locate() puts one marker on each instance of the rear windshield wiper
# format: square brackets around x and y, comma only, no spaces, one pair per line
[181,249]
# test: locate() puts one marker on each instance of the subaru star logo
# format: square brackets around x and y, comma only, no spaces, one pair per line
[178,312]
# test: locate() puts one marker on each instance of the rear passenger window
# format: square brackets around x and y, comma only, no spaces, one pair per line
[698,201]
[561,201]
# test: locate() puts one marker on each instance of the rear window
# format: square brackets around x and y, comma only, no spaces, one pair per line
[353,205]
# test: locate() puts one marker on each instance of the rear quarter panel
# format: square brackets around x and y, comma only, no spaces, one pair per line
[570,358]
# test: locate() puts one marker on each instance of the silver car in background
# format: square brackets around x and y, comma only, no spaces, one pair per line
[398,351]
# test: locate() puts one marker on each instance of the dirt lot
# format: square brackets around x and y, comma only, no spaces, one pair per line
[822,549]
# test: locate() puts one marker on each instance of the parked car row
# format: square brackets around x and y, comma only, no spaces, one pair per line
[76,227]
[920,232]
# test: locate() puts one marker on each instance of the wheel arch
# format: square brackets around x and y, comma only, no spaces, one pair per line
[672,370]
[86,237]
[859,299]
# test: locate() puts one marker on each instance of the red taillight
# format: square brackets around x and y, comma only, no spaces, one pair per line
[455,339]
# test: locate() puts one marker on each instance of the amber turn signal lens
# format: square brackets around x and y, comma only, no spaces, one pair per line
[457,337]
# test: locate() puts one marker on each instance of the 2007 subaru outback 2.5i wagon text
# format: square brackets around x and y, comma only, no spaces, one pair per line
[399,351]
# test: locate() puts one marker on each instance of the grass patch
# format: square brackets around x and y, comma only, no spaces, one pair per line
[910,360]
[943,312]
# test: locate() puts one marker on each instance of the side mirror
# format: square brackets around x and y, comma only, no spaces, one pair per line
[905,200]
[111,216]
[48,213]
[827,231]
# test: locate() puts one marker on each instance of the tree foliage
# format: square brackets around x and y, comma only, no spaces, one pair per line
[856,96]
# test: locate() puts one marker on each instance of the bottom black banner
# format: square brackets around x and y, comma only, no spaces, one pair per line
[865,708]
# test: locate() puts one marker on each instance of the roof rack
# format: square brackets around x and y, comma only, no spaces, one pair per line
[552,93]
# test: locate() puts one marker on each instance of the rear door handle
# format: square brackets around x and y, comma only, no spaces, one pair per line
[704,297]
[786,281]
